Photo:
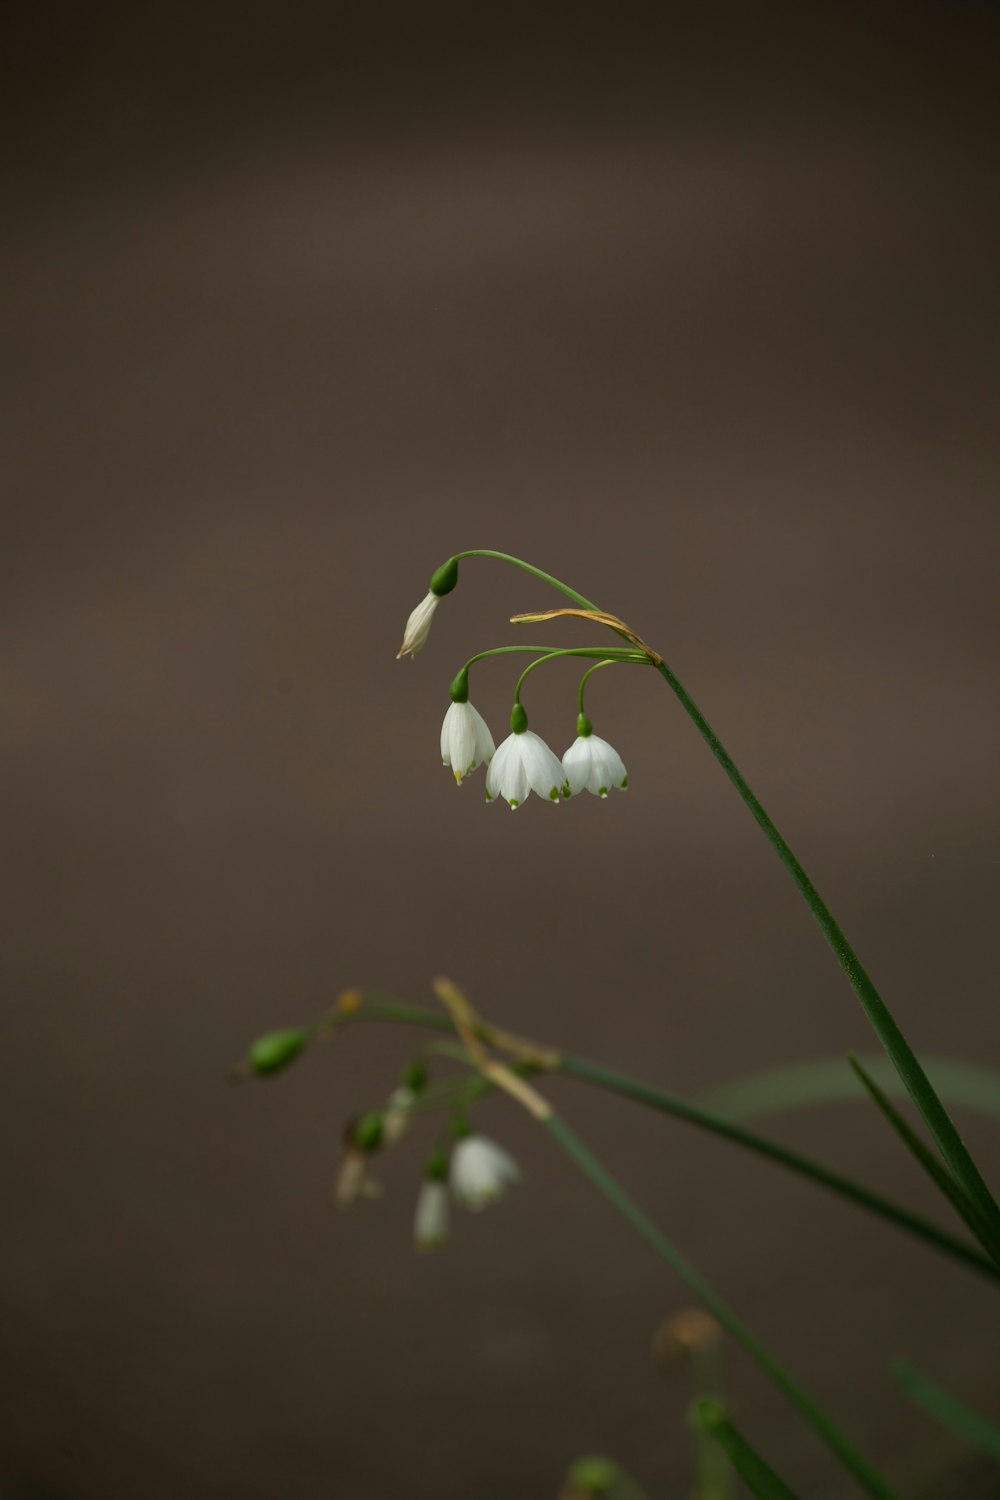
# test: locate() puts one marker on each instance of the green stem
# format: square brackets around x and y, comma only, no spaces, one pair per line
[519,562]
[379,1007]
[632,659]
[867,1477]
[608,662]
[921,1090]
[623,653]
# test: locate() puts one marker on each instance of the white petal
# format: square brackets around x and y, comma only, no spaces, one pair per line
[462,749]
[497,765]
[544,771]
[484,740]
[607,767]
[430,1224]
[446,734]
[418,627]
[576,764]
[480,1171]
[514,784]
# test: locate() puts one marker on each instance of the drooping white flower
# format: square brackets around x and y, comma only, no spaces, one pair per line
[353,1180]
[593,765]
[481,1171]
[524,763]
[466,741]
[418,626]
[430,1223]
[397,1114]
[362,1138]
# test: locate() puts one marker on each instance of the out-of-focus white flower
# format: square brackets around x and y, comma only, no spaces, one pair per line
[481,1171]
[524,763]
[466,741]
[591,764]
[418,626]
[353,1181]
[362,1138]
[430,1223]
[397,1114]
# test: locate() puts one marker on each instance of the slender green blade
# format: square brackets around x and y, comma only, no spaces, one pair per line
[755,1472]
[936,1170]
[949,1411]
[827,1081]
[936,1117]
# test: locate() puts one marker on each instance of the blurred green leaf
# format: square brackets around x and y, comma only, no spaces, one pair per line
[949,1411]
[827,1081]
[756,1474]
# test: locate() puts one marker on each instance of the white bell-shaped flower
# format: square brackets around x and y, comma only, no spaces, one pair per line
[418,626]
[466,741]
[524,763]
[481,1171]
[591,764]
[430,1222]
[397,1114]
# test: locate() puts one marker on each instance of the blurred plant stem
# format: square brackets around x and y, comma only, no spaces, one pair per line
[369,1005]
[868,1478]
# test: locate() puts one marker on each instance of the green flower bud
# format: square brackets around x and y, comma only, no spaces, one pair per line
[436,1169]
[584,726]
[518,719]
[271,1053]
[444,580]
[415,1076]
[459,689]
[594,1476]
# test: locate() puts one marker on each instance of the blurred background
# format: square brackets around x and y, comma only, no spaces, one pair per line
[297,302]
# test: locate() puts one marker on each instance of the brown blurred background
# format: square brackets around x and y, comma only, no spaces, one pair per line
[298,301]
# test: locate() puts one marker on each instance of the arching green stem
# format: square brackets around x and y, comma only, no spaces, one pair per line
[609,661]
[527,567]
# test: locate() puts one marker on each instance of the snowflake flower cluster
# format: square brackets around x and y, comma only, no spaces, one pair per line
[523,763]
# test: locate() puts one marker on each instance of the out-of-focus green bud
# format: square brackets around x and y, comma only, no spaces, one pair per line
[368,1131]
[271,1053]
[444,580]
[415,1076]
[436,1169]
[593,1475]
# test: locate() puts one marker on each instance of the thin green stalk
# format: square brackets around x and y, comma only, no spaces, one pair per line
[631,659]
[921,1090]
[619,653]
[756,1473]
[519,562]
[383,1008]
[868,1478]
[608,662]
